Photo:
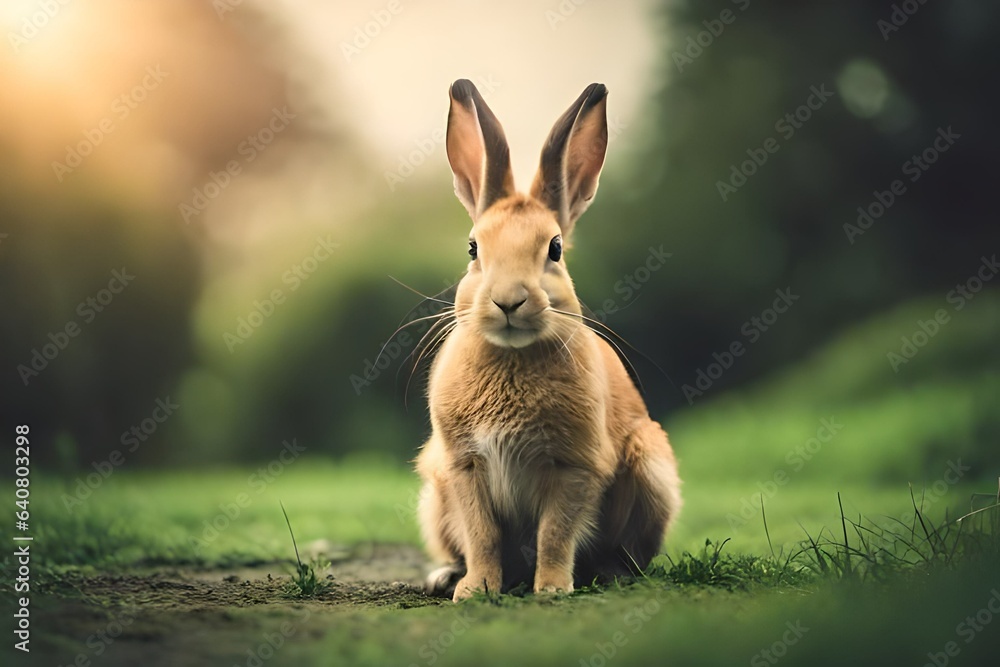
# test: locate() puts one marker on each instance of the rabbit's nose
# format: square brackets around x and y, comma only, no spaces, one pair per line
[509,308]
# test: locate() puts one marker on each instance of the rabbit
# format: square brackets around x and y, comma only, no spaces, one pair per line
[543,468]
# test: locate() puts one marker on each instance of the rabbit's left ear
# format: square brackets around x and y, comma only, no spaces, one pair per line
[477,150]
[573,156]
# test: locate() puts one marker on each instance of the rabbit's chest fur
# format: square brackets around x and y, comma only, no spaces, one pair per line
[516,468]
[519,418]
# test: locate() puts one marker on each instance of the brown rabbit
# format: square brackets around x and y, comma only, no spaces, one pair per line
[543,465]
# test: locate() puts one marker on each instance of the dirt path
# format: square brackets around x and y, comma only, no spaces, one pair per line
[164,616]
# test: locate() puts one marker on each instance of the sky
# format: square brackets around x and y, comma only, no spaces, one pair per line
[530,59]
[77,72]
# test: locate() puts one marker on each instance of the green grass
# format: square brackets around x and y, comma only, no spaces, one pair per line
[306,583]
[905,426]
[704,603]
[651,625]
[751,585]
[197,517]
[221,517]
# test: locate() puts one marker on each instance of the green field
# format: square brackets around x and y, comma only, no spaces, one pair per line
[137,533]
[198,563]
[223,518]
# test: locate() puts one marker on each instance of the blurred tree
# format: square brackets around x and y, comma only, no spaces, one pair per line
[99,316]
[770,125]
[783,226]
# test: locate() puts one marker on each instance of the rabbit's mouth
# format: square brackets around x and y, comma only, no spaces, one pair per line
[511,335]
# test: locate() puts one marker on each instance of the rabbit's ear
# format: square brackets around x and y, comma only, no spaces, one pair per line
[477,150]
[573,156]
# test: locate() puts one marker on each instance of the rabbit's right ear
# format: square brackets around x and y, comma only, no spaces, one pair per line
[572,158]
[477,150]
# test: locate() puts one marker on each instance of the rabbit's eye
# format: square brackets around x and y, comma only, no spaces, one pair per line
[555,248]
[473,250]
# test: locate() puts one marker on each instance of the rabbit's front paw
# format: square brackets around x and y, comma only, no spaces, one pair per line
[471,584]
[551,585]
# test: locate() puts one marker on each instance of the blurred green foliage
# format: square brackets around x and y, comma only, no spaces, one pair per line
[306,372]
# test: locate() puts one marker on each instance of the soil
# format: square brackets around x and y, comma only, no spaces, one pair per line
[165,616]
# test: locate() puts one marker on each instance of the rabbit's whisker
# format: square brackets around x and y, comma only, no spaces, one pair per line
[428,349]
[433,336]
[419,293]
[437,334]
[610,340]
[438,318]
[388,340]
[565,345]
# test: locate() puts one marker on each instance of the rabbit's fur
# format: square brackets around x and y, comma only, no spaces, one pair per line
[544,466]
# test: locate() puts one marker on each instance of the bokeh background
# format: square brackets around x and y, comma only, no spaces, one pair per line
[268,171]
